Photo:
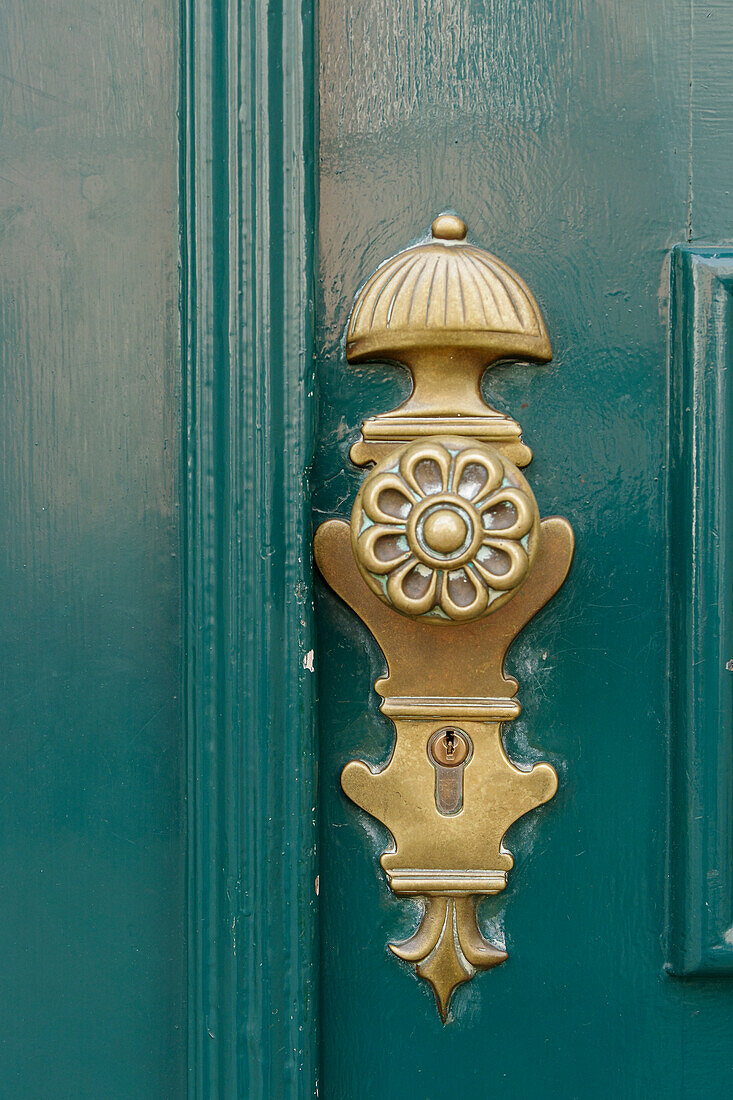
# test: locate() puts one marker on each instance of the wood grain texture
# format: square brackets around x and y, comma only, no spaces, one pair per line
[711,121]
[248,221]
[92,926]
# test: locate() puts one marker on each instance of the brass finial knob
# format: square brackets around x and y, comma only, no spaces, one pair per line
[449,227]
[448,310]
[446,294]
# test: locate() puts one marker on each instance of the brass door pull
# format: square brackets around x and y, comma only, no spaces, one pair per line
[446,560]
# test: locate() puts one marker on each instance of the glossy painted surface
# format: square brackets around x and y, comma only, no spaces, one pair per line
[566,135]
[700,933]
[580,142]
[92,899]
[248,221]
[158,893]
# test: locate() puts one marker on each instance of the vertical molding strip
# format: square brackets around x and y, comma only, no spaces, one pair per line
[248,211]
[700,538]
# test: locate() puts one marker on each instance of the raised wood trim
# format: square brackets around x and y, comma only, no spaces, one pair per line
[248,231]
[700,925]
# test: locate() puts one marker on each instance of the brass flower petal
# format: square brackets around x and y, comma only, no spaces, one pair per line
[524,515]
[476,474]
[463,595]
[517,563]
[388,500]
[412,588]
[379,548]
[425,468]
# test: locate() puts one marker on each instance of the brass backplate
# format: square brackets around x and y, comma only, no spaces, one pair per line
[446,560]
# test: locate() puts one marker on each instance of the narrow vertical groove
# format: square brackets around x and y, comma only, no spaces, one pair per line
[247,242]
[691,78]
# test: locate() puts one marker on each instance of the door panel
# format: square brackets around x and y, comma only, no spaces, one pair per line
[148,657]
[561,134]
[92,903]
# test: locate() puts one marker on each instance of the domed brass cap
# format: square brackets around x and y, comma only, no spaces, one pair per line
[446,294]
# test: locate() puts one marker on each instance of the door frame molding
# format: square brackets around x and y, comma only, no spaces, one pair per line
[248,219]
[700,645]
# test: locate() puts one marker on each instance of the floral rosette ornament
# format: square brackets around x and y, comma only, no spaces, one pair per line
[445,529]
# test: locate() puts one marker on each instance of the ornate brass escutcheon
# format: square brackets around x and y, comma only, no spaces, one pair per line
[445,560]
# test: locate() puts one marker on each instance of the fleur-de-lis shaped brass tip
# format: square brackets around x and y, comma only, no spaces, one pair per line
[448,947]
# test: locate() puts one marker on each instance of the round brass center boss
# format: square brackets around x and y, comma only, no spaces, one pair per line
[443,534]
[445,529]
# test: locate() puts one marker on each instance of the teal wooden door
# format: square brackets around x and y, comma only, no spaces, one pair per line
[580,143]
[92,886]
[191,196]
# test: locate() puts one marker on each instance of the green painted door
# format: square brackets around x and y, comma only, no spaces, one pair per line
[92,878]
[580,143]
[190,197]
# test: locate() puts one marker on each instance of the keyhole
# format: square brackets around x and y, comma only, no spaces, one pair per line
[449,750]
